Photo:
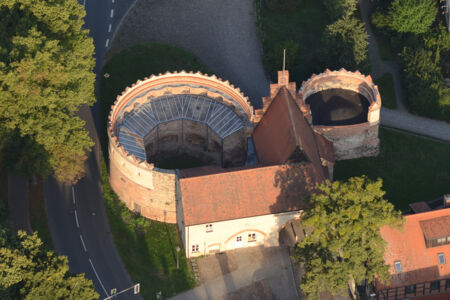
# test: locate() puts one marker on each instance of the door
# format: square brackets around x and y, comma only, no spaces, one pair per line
[238,243]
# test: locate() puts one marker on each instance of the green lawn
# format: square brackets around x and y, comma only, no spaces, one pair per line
[299,30]
[386,87]
[38,213]
[384,48]
[146,247]
[413,169]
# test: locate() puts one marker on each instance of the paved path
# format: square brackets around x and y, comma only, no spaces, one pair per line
[276,269]
[222,34]
[399,118]
[18,207]
[380,67]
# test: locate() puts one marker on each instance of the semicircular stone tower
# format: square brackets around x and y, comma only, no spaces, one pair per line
[345,109]
[168,118]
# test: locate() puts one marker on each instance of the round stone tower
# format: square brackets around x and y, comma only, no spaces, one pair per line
[162,117]
[345,108]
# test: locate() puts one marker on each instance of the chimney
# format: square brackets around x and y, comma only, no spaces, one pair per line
[446,200]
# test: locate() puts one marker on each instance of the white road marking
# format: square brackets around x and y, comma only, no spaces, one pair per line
[73,195]
[82,242]
[107,43]
[109,27]
[98,278]
[112,12]
[112,1]
[84,3]
[76,219]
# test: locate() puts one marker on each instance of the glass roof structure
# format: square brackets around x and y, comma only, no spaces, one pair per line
[135,125]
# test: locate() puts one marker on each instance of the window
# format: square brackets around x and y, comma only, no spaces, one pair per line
[398,267]
[209,228]
[410,289]
[441,258]
[447,283]
[434,285]
[195,248]
[239,238]
[252,237]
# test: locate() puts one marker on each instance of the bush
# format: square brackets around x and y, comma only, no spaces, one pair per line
[424,80]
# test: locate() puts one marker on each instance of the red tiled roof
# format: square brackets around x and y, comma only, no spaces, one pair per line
[326,149]
[246,192]
[436,228]
[419,264]
[282,129]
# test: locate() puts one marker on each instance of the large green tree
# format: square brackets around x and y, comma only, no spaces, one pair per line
[412,16]
[337,9]
[346,43]
[29,271]
[46,63]
[343,245]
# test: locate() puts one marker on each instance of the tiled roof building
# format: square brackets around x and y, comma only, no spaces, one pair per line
[419,256]
[261,164]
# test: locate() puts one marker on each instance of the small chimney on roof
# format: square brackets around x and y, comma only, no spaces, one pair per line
[446,200]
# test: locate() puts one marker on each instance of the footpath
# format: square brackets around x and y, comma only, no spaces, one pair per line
[399,118]
[18,203]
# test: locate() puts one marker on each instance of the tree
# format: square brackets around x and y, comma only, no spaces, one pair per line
[46,63]
[412,16]
[337,9]
[346,43]
[28,271]
[343,244]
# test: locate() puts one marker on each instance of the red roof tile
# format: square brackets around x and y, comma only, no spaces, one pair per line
[247,192]
[419,264]
[436,228]
[283,129]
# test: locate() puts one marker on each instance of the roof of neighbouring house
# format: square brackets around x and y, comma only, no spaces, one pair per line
[418,263]
[283,129]
[245,192]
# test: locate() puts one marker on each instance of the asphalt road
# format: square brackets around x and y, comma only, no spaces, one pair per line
[76,215]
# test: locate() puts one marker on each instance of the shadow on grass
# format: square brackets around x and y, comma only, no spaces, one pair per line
[413,169]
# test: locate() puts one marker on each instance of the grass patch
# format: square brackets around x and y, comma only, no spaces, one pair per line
[300,31]
[147,248]
[413,169]
[386,87]
[38,213]
[384,48]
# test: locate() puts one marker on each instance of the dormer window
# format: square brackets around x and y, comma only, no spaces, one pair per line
[398,266]
[208,228]
[441,258]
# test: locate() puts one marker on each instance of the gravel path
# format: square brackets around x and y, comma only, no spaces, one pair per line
[222,34]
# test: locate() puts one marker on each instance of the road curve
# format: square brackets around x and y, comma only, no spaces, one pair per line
[76,215]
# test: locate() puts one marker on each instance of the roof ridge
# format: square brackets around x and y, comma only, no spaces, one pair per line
[243,170]
[291,116]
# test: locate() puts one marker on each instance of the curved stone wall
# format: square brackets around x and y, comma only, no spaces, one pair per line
[139,184]
[349,141]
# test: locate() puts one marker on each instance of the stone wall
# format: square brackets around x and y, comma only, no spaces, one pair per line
[349,141]
[142,187]
[352,141]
